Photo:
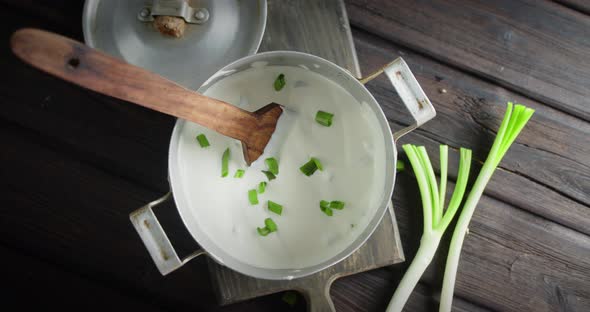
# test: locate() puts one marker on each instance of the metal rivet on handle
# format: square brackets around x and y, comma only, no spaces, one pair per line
[145,12]
[202,15]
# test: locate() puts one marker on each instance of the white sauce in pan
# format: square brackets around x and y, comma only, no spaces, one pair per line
[351,151]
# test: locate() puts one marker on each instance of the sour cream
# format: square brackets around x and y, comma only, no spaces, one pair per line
[351,150]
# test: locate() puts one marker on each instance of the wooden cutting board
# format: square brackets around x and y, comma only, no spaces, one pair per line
[319,27]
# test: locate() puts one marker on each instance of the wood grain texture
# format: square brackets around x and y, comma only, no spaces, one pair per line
[64,181]
[319,27]
[537,48]
[486,275]
[78,217]
[580,5]
[511,260]
[468,115]
[58,289]
[372,291]
[91,69]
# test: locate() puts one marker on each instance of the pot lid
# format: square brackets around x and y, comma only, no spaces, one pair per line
[215,34]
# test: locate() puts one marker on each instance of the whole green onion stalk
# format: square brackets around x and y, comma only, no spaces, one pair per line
[512,124]
[433,199]
[435,221]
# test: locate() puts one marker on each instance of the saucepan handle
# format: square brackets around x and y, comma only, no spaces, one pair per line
[409,91]
[155,239]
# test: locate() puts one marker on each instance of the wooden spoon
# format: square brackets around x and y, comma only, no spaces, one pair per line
[77,63]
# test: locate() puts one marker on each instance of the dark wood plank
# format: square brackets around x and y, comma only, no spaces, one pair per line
[56,288]
[60,210]
[373,290]
[538,48]
[309,26]
[580,5]
[59,218]
[511,260]
[547,171]
[63,16]
[84,113]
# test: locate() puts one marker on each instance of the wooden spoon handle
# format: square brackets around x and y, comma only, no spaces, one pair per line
[77,63]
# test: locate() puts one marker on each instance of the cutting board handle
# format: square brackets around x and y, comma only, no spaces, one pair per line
[317,294]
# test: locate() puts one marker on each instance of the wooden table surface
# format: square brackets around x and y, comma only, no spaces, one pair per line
[74,164]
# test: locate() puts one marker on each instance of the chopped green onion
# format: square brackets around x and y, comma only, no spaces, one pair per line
[323,118]
[336,204]
[202,140]
[309,167]
[280,82]
[400,166]
[269,175]
[225,163]
[326,210]
[273,165]
[270,224]
[239,173]
[274,207]
[261,187]
[253,197]
[290,298]
[263,231]
[325,207]
[318,163]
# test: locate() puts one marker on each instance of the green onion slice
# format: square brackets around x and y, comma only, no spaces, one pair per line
[336,204]
[263,231]
[261,187]
[270,224]
[274,207]
[202,140]
[324,118]
[400,166]
[269,175]
[253,197]
[326,210]
[239,173]
[309,167]
[280,82]
[225,163]
[273,165]
[318,163]
[290,298]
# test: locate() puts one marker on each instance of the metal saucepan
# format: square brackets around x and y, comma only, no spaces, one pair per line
[404,83]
